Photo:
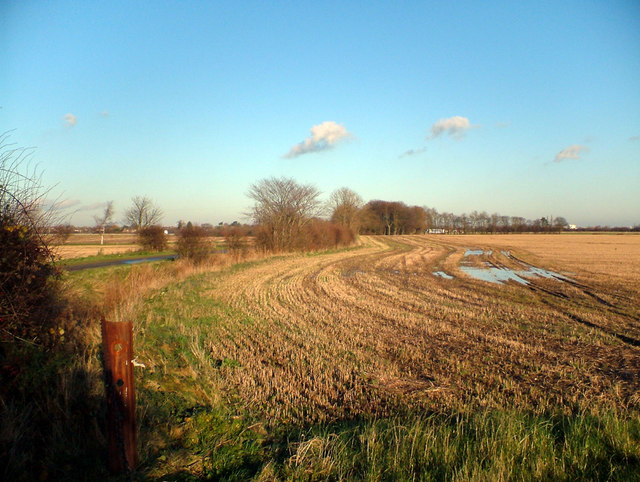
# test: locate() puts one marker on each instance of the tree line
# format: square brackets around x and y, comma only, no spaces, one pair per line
[385,217]
[291,216]
[287,215]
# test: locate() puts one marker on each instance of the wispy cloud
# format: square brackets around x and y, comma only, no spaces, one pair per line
[571,152]
[92,207]
[56,205]
[455,127]
[73,203]
[412,152]
[67,203]
[70,120]
[634,138]
[104,113]
[502,125]
[323,137]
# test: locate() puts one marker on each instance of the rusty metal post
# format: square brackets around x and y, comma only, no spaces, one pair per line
[117,347]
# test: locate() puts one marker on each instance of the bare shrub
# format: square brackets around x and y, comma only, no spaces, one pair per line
[28,299]
[152,238]
[321,234]
[193,244]
[61,233]
[236,240]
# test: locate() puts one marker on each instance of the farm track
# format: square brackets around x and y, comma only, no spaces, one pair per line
[372,330]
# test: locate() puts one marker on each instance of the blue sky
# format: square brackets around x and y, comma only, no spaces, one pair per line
[522,108]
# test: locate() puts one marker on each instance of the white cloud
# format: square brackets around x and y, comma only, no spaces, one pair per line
[323,136]
[455,126]
[634,138]
[104,113]
[70,120]
[571,152]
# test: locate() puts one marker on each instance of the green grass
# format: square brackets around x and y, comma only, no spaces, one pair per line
[486,445]
[226,444]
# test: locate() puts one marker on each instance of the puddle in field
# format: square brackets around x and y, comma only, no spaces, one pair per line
[476,252]
[502,274]
[442,274]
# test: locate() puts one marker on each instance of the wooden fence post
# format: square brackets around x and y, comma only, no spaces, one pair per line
[117,348]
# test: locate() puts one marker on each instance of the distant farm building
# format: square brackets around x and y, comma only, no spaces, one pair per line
[435,231]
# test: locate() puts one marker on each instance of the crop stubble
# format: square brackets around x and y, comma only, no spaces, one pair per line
[318,338]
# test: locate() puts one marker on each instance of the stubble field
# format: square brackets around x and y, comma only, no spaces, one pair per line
[291,362]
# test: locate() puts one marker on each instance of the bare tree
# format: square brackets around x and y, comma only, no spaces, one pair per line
[345,206]
[283,207]
[104,220]
[143,213]
[560,221]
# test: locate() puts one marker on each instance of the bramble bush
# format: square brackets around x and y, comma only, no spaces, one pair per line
[28,292]
[27,284]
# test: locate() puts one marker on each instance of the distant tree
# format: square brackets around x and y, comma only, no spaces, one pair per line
[61,233]
[416,220]
[103,220]
[384,217]
[560,222]
[371,221]
[345,206]
[235,237]
[377,217]
[518,223]
[282,208]
[431,217]
[152,238]
[143,213]
[193,243]
[482,222]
